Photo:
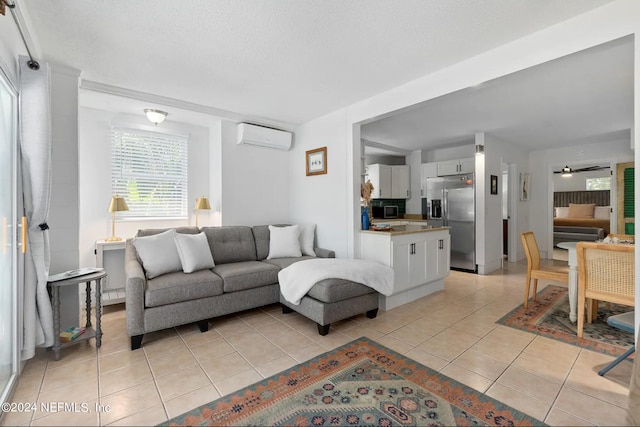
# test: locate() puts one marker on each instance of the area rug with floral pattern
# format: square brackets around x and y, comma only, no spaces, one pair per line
[359,383]
[549,316]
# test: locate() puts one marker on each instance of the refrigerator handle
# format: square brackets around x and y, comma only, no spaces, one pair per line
[445,206]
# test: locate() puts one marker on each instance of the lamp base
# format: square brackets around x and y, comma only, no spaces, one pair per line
[113,239]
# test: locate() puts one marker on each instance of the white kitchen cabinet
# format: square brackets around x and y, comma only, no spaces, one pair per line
[400,182]
[440,259]
[456,167]
[389,181]
[427,170]
[380,177]
[420,261]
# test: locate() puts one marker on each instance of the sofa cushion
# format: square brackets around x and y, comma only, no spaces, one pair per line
[307,237]
[261,236]
[286,262]
[194,252]
[158,253]
[332,290]
[284,242]
[238,276]
[231,244]
[177,287]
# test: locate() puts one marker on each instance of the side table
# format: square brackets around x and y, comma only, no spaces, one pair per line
[89,332]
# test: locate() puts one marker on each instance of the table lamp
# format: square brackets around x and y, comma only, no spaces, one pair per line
[201,203]
[117,204]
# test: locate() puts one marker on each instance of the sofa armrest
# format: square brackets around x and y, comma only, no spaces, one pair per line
[135,286]
[324,253]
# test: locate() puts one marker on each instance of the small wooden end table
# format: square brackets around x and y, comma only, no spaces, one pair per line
[89,332]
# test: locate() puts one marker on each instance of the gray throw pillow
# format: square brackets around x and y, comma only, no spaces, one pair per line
[194,252]
[158,253]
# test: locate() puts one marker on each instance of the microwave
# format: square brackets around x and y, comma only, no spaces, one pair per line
[390,211]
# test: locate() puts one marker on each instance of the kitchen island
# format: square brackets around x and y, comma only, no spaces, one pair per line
[419,255]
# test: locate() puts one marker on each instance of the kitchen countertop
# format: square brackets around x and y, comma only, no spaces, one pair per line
[406,229]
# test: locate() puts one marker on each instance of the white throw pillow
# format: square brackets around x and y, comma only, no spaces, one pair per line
[284,242]
[562,212]
[158,253]
[307,234]
[602,212]
[194,252]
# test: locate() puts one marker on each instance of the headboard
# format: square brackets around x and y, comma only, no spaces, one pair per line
[563,198]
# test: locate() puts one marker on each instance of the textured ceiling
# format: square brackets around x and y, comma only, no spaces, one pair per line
[283,60]
[586,97]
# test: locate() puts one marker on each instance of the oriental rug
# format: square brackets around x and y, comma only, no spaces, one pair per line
[359,383]
[549,317]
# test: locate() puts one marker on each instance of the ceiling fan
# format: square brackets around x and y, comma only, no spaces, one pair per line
[567,171]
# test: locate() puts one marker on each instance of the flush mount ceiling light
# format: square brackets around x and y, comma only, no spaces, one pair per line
[155,116]
[567,172]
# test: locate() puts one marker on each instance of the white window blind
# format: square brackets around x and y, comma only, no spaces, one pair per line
[149,169]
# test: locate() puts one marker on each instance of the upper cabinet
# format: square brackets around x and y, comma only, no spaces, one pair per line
[456,167]
[428,170]
[389,181]
[400,182]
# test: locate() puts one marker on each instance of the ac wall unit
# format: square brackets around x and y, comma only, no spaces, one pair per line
[261,136]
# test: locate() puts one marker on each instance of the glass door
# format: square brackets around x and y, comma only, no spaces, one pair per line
[8,239]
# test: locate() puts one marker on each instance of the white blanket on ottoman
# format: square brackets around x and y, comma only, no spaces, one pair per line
[299,277]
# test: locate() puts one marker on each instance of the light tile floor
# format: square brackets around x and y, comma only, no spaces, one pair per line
[453,332]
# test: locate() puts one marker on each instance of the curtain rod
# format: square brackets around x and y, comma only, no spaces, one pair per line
[31,63]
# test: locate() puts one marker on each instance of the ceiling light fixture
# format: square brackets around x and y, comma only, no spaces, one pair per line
[155,116]
[567,171]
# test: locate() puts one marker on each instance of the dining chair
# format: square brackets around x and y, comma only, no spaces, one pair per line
[606,272]
[537,271]
[624,322]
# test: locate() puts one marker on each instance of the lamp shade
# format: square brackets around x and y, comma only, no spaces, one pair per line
[118,204]
[202,203]
[155,116]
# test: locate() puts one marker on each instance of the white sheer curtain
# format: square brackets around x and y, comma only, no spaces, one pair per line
[35,127]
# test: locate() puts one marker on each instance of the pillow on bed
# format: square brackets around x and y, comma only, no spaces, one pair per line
[602,212]
[581,210]
[562,212]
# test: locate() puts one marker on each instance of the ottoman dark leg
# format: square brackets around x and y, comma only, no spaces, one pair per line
[286,309]
[323,329]
[371,314]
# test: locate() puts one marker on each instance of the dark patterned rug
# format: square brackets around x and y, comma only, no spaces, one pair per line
[549,317]
[360,383]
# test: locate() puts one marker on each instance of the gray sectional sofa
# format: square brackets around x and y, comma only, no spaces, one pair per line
[242,278]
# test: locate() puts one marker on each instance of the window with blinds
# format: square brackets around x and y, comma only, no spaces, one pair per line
[149,169]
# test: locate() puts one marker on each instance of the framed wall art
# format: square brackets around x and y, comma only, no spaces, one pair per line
[494,184]
[316,161]
[524,187]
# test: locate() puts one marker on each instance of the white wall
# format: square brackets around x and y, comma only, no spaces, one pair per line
[255,182]
[543,161]
[497,153]
[63,211]
[94,159]
[577,181]
[322,199]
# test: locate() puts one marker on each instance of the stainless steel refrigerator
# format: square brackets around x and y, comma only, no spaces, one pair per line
[451,202]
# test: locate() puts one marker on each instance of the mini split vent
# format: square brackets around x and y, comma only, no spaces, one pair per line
[261,136]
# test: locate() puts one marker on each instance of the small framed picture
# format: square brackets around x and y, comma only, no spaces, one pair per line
[524,187]
[316,161]
[494,184]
